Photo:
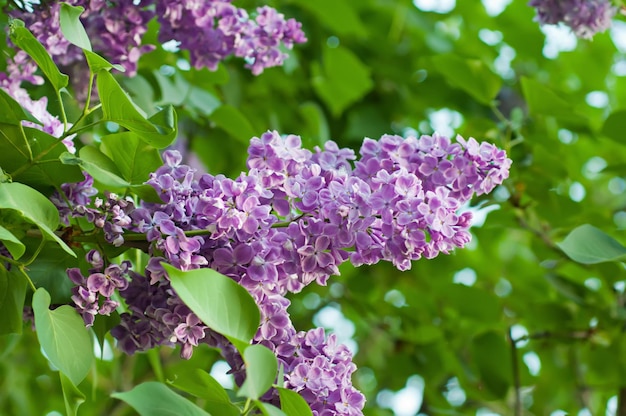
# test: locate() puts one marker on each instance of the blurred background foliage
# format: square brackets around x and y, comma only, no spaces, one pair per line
[506,326]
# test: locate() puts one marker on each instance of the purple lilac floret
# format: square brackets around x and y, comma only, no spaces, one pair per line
[292,219]
[584,17]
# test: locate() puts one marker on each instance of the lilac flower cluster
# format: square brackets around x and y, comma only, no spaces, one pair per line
[210,30]
[213,30]
[289,221]
[584,17]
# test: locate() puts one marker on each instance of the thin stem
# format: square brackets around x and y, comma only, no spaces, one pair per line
[517,409]
[62,106]
[36,253]
[30,282]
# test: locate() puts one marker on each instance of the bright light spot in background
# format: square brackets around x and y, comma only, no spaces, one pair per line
[620,220]
[619,286]
[171,46]
[490,37]
[503,288]
[518,331]
[311,301]
[558,39]
[332,41]
[495,7]
[619,67]
[183,64]
[104,352]
[437,6]
[618,35]
[330,317]
[617,185]
[218,372]
[501,194]
[455,394]
[577,192]
[502,63]
[566,136]
[611,406]
[593,167]
[597,99]
[593,322]
[584,412]
[559,413]
[532,361]
[486,412]
[479,214]
[466,276]
[593,283]
[396,298]
[444,121]
[404,402]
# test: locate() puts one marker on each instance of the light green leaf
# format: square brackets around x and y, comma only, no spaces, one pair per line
[12,293]
[11,112]
[587,244]
[470,75]
[98,165]
[339,16]
[25,40]
[34,208]
[97,63]
[543,101]
[292,403]
[134,158]
[219,302]
[158,130]
[12,243]
[155,399]
[63,337]
[269,409]
[261,369]
[72,396]
[72,28]
[342,79]
[233,122]
[201,384]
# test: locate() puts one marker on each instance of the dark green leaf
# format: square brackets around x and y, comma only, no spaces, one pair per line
[72,28]
[219,302]
[49,271]
[155,399]
[12,243]
[587,244]
[63,337]
[134,158]
[72,396]
[493,358]
[25,40]
[98,165]
[338,15]
[261,369]
[613,127]
[11,112]
[202,385]
[543,101]
[12,292]
[233,122]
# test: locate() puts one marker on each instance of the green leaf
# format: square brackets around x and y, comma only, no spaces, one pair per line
[339,16]
[49,271]
[269,409]
[542,101]
[63,337]
[292,403]
[342,80]
[158,130]
[72,28]
[97,63]
[12,243]
[34,208]
[233,122]
[155,399]
[473,303]
[219,302]
[72,396]
[613,127]
[11,112]
[12,293]
[587,244]
[25,40]
[261,369]
[98,165]
[471,75]
[134,158]
[201,384]
[493,358]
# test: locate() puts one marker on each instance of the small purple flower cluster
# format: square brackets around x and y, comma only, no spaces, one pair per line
[584,17]
[210,30]
[289,221]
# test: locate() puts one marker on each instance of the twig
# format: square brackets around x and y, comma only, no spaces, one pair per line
[517,408]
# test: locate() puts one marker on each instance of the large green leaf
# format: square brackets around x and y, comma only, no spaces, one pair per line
[159,130]
[589,245]
[155,399]
[12,292]
[72,28]
[219,302]
[261,369]
[341,80]
[492,355]
[201,384]
[33,207]
[99,166]
[292,403]
[134,158]
[543,101]
[72,396]
[233,122]
[338,15]
[470,75]
[63,337]
[11,112]
[25,40]
[49,270]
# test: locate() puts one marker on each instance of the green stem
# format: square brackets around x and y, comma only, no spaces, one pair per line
[517,409]
[30,282]
[36,253]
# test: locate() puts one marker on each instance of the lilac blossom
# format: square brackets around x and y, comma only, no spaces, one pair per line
[584,17]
